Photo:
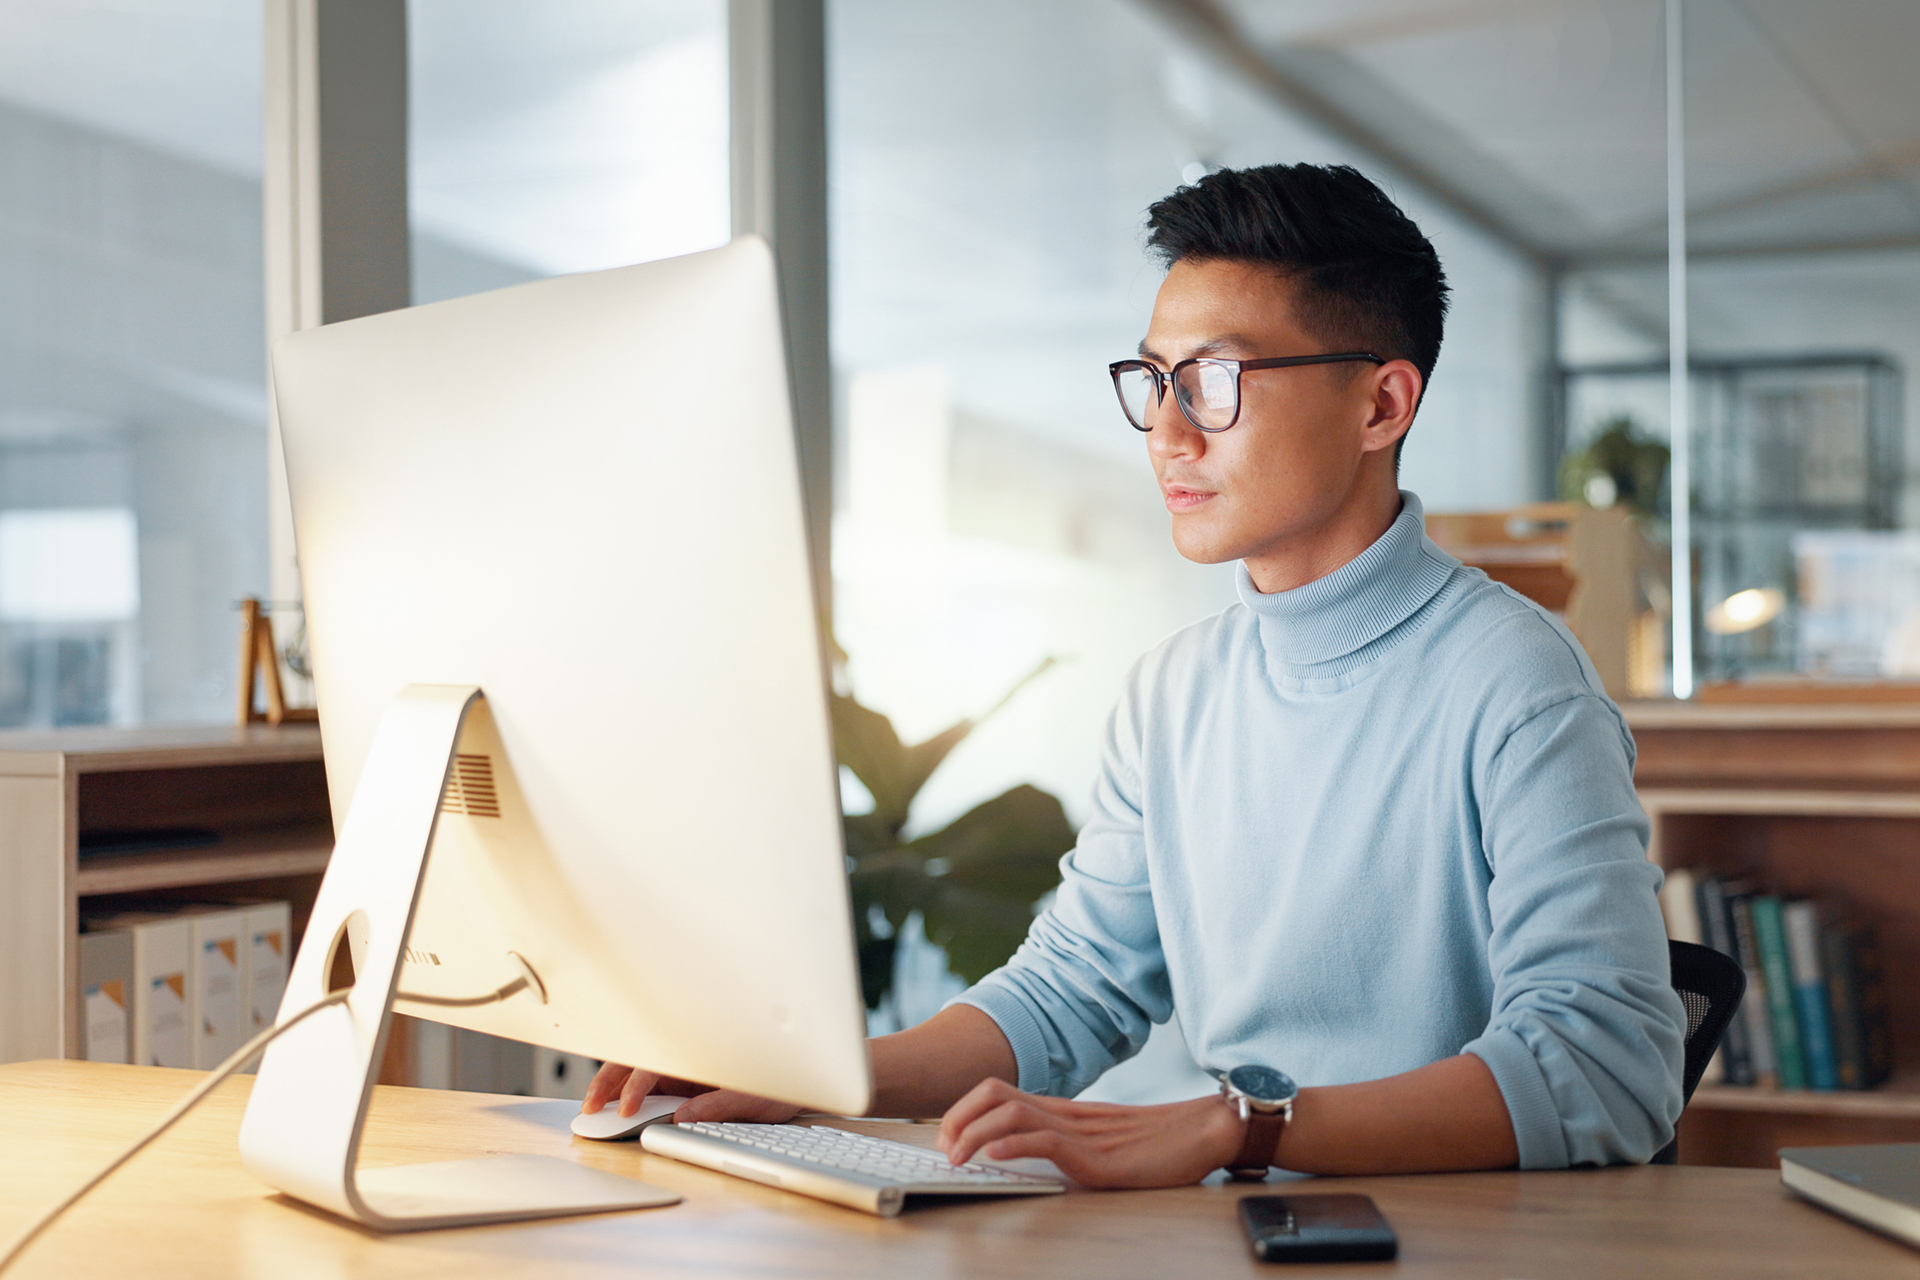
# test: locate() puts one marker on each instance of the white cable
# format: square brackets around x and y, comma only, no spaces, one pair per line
[240,1059]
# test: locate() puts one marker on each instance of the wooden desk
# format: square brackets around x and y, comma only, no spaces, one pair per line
[186,1208]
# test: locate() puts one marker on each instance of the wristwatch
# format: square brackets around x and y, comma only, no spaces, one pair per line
[1264,1098]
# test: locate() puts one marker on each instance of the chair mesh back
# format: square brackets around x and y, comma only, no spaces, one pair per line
[1709,986]
[1698,1007]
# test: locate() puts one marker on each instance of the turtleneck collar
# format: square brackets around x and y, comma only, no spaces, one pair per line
[1335,617]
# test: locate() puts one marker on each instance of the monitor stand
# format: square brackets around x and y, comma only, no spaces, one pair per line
[303,1123]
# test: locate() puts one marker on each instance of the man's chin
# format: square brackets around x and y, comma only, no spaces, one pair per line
[1203,550]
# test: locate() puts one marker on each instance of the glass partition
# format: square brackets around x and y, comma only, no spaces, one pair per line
[1803,247]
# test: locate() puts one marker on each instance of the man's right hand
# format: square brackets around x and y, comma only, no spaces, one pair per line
[918,1072]
[704,1102]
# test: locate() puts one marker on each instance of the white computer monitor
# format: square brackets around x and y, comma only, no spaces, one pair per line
[579,497]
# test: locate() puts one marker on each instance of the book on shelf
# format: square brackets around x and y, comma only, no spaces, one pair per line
[1802,926]
[1838,949]
[1789,1060]
[160,1005]
[198,976]
[219,986]
[1755,1012]
[1716,923]
[1858,959]
[1815,1012]
[106,996]
[269,952]
[1679,905]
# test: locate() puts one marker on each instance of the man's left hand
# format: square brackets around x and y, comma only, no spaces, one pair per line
[1097,1144]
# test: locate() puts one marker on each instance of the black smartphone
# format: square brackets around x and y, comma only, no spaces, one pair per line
[1341,1228]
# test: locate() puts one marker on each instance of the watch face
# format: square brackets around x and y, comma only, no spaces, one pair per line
[1262,1084]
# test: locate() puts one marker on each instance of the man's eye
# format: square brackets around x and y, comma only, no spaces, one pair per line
[1216,387]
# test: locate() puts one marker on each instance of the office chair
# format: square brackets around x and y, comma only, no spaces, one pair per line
[1710,985]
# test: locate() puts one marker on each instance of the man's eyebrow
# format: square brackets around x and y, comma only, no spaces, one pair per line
[1212,346]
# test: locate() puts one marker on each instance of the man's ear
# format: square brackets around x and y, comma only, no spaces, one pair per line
[1396,387]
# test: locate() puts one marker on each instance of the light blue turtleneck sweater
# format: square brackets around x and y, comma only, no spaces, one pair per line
[1357,827]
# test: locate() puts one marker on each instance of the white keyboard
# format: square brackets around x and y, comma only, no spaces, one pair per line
[865,1173]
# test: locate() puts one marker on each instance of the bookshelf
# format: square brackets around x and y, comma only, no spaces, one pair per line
[246,806]
[1820,800]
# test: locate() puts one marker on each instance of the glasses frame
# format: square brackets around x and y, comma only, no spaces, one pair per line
[1162,377]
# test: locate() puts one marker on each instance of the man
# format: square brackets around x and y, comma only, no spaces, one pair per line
[1373,827]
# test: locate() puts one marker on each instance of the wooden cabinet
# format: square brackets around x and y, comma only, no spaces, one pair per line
[1586,565]
[82,812]
[1809,800]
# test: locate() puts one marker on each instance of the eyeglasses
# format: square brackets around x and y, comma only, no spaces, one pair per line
[1207,390]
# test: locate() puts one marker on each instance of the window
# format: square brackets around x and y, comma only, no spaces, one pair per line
[132,365]
[566,136]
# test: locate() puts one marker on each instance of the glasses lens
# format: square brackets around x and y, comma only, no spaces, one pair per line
[1136,386]
[1209,393]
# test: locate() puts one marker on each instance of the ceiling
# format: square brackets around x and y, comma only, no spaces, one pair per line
[1544,120]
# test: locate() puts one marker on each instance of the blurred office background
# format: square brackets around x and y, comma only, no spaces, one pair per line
[988,165]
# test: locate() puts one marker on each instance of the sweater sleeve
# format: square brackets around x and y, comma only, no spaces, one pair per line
[1084,989]
[1586,1035]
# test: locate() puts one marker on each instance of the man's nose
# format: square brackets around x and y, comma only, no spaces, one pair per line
[1170,435]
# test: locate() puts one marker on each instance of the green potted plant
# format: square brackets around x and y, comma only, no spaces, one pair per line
[974,882]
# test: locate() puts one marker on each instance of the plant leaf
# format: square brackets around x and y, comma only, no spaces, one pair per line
[896,883]
[1008,847]
[978,930]
[924,758]
[865,742]
[999,856]
[867,834]
[876,969]
[918,762]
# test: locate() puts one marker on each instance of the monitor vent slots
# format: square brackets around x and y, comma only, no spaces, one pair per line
[470,788]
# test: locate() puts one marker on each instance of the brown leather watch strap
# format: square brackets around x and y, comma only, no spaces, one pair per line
[1263,1139]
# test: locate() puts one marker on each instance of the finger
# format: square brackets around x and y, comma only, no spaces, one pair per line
[1070,1157]
[979,1100]
[605,1084]
[1015,1116]
[727,1104]
[678,1087]
[1044,1144]
[635,1091]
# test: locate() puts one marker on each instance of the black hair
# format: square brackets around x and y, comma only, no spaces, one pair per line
[1368,280]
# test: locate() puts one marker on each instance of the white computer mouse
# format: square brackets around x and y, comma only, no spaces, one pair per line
[608,1125]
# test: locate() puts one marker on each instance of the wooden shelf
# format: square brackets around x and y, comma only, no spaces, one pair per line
[1732,800]
[1899,1100]
[1808,800]
[264,789]
[44,752]
[251,855]
[1666,714]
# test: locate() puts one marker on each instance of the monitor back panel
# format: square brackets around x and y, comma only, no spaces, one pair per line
[581,495]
